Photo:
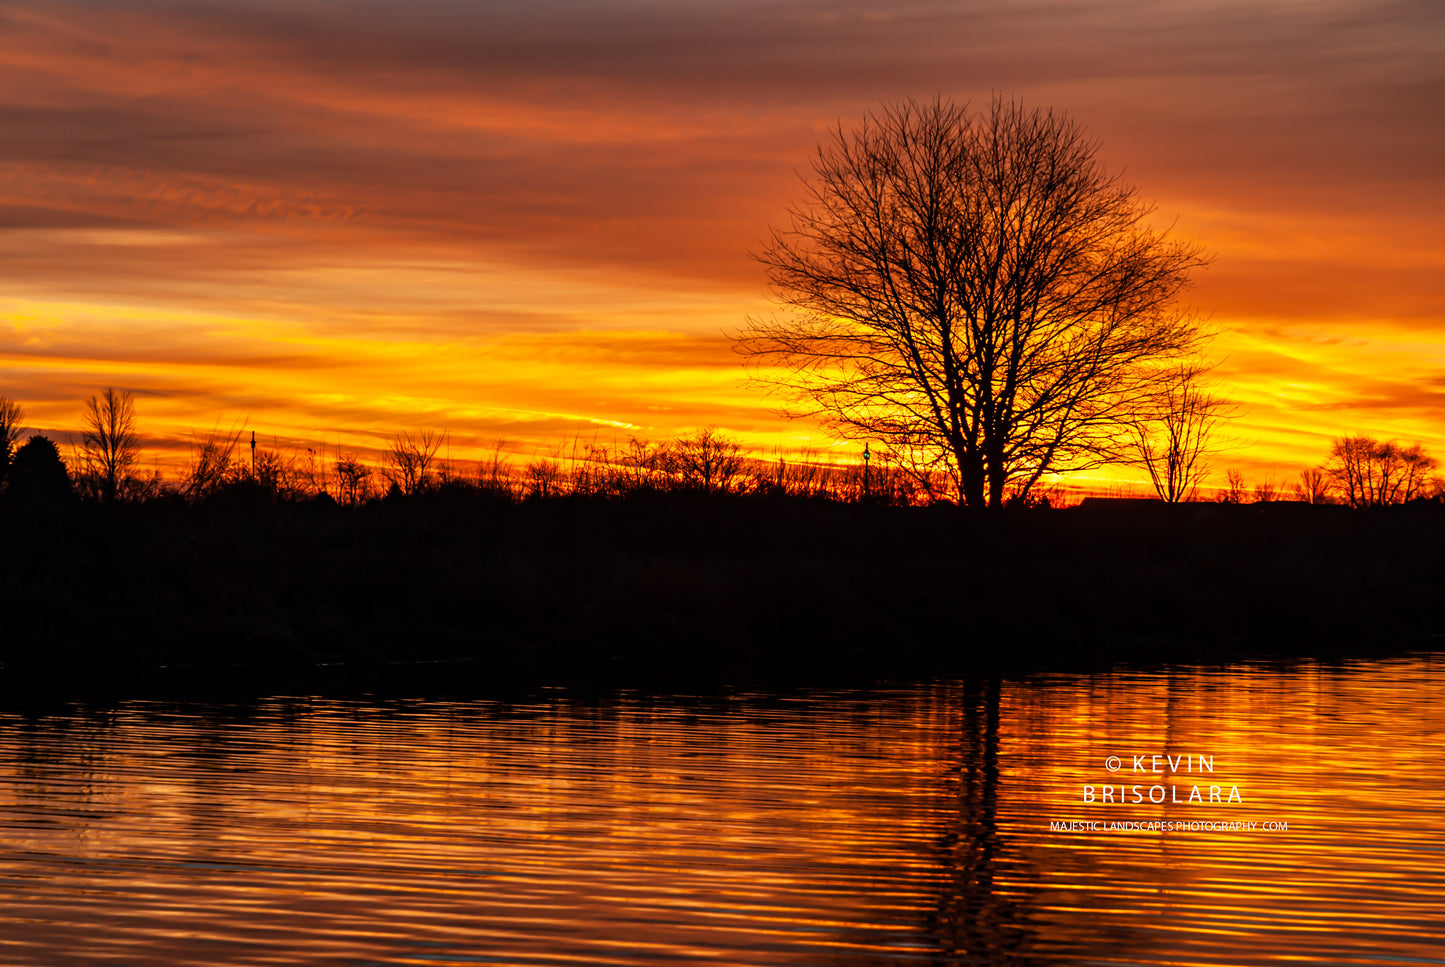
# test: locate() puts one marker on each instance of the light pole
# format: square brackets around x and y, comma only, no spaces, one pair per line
[867,454]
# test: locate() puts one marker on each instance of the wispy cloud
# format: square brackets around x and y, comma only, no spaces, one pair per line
[522,217]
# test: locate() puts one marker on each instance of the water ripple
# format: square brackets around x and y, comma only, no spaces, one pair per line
[903,826]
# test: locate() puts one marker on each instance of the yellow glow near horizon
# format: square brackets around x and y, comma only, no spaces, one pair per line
[333,229]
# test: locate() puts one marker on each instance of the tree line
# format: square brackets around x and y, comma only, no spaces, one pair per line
[103,467]
[1361,472]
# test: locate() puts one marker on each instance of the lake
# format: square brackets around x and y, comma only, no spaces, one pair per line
[955,822]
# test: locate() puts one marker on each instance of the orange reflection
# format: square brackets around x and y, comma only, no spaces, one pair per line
[827,827]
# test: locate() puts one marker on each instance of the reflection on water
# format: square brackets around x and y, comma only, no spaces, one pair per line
[901,826]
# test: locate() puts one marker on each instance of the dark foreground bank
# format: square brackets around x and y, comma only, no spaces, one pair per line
[683,586]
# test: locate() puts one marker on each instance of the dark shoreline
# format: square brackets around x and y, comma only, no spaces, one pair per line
[461,588]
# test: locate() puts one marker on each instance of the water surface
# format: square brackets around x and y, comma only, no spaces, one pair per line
[914,825]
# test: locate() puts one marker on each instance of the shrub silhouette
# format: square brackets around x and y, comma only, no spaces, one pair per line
[37,474]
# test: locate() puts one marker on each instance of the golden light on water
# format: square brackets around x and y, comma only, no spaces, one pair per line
[817,827]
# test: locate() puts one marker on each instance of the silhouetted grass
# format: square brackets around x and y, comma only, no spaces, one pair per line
[701,587]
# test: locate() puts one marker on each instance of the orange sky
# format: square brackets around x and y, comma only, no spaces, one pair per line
[330,220]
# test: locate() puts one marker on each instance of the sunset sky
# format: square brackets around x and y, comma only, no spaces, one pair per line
[329,221]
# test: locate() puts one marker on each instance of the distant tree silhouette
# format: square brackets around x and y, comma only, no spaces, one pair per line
[1313,486]
[12,415]
[544,478]
[109,443]
[355,478]
[213,464]
[275,474]
[1369,473]
[640,464]
[38,475]
[1173,437]
[308,474]
[707,460]
[409,460]
[1234,490]
[494,474]
[588,475]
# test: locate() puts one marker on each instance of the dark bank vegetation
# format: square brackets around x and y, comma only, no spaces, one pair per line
[686,560]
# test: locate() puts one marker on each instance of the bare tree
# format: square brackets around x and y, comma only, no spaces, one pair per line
[409,460]
[1234,490]
[109,442]
[640,463]
[310,476]
[1173,439]
[974,289]
[707,460]
[354,477]
[544,478]
[12,416]
[494,474]
[1374,474]
[276,473]
[1313,486]
[213,464]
